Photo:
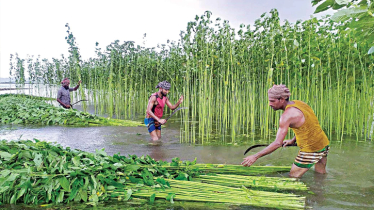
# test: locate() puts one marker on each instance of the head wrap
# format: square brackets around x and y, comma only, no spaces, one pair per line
[64,81]
[164,85]
[279,91]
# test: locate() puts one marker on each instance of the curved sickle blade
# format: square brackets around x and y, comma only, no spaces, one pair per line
[265,145]
[254,146]
[78,102]
[176,111]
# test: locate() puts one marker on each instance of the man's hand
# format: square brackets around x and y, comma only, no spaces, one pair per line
[180,99]
[288,142]
[79,82]
[67,106]
[162,121]
[248,161]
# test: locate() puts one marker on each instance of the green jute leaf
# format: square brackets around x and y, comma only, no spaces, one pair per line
[60,197]
[295,43]
[131,168]
[83,194]
[117,165]
[337,6]
[194,161]
[152,198]
[345,14]
[315,2]
[4,173]
[371,50]
[3,189]
[94,196]
[49,192]
[182,176]
[170,197]
[12,177]
[147,178]
[342,2]
[21,192]
[76,160]
[94,181]
[101,152]
[5,155]
[161,181]
[324,6]
[64,183]
[78,197]
[38,159]
[13,200]
[128,195]
[73,193]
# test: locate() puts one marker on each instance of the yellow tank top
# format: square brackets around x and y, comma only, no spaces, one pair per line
[310,136]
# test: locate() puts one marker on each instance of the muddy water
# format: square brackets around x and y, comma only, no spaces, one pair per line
[349,183]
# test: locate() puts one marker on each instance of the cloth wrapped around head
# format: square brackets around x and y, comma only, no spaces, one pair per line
[164,85]
[279,91]
[64,81]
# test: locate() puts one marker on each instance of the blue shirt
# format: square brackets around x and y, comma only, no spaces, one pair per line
[64,95]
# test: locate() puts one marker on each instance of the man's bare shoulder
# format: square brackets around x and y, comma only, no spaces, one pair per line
[292,116]
[292,112]
[152,99]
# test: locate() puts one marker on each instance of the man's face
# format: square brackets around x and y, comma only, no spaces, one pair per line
[164,92]
[67,83]
[276,103]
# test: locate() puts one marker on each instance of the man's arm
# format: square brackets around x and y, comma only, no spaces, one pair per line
[172,107]
[151,102]
[281,134]
[76,87]
[64,105]
[289,142]
[284,124]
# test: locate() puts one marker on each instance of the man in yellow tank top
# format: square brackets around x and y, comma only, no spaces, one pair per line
[297,115]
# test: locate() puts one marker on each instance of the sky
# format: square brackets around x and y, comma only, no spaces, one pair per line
[37,27]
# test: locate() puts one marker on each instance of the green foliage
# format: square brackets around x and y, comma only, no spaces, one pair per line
[40,172]
[27,96]
[37,172]
[358,15]
[33,110]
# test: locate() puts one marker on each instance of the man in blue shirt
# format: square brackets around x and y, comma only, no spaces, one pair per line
[63,94]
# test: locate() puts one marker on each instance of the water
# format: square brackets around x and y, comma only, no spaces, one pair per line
[349,183]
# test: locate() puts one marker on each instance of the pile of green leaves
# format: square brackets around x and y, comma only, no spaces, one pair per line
[34,172]
[33,110]
[27,96]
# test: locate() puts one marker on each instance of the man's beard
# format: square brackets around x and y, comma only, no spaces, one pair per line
[66,87]
[163,94]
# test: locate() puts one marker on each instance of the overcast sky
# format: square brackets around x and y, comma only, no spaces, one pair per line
[37,27]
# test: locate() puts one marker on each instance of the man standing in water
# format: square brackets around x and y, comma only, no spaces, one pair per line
[63,94]
[309,136]
[155,109]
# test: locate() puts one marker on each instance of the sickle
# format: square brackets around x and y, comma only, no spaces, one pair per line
[265,145]
[78,102]
[254,146]
[176,111]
